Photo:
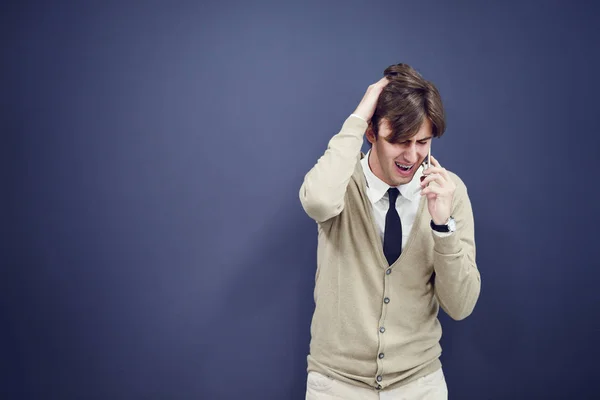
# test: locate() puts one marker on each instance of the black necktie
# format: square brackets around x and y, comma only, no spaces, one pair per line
[392,238]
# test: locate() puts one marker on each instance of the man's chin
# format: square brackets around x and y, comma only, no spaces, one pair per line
[403,180]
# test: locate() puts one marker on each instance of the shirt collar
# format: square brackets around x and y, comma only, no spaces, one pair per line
[376,188]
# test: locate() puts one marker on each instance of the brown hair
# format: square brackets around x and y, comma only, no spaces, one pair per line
[405,102]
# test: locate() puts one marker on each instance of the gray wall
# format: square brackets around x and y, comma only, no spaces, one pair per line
[154,246]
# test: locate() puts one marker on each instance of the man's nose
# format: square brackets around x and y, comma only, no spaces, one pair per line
[410,155]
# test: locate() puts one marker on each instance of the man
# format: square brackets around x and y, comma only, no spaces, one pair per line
[392,248]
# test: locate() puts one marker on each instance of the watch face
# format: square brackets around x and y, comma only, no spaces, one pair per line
[451,224]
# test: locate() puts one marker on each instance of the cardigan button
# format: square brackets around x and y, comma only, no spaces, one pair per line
[388,271]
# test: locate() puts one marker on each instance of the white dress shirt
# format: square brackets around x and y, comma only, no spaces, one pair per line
[407,204]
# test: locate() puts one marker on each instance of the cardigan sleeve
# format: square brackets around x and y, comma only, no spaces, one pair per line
[322,192]
[457,278]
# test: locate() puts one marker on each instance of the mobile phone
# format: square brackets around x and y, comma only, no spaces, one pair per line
[426,163]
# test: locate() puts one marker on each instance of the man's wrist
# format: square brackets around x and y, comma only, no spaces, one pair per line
[449,225]
[438,222]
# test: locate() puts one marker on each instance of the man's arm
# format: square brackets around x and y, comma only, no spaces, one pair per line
[457,279]
[324,187]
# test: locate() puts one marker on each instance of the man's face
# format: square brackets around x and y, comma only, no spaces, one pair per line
[396,164]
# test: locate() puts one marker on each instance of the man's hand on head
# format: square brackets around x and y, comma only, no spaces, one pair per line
[367,105]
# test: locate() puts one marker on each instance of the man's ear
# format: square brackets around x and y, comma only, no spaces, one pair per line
[370,134]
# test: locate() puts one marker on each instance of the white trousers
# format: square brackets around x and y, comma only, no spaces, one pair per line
[428,387]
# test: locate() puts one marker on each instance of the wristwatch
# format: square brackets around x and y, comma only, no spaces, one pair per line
[449,226]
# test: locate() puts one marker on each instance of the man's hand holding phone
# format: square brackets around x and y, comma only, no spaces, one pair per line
[439,189]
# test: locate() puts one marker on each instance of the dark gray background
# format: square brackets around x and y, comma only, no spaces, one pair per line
[154,246]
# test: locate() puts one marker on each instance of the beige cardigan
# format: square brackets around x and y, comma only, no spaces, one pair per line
[376,325]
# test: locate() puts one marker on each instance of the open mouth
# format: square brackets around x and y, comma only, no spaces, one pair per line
[404,169]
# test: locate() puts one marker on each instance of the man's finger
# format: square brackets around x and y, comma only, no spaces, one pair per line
[432,189]
[436,171]
[435,162]
[439,179]
[383,81]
